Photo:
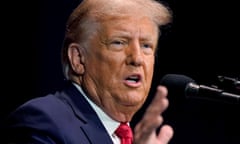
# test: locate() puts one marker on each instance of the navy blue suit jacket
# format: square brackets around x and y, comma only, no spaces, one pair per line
[64,117]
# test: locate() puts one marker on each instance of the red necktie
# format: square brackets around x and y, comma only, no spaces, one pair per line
[124,132]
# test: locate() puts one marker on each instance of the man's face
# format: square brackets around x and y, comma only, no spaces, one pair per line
[119,65]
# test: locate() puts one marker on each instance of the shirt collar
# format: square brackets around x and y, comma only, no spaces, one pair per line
[110,124]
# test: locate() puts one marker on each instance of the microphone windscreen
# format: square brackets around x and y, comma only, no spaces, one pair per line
[176,83]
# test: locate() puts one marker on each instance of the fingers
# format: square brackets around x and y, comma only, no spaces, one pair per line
[165,134]
[152,117]
[159,102]
[145,130]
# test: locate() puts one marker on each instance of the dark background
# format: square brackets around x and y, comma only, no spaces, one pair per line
[202,43]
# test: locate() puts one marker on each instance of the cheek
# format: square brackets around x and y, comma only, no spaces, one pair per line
[149,67]
[105,67]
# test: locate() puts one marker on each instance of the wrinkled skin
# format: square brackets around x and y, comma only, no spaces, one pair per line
[145,130]
[116,69]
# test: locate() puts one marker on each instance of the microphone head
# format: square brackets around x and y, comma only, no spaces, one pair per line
[176,83]
[176,80]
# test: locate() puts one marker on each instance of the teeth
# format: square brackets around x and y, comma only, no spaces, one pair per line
[133,77]
[132,81]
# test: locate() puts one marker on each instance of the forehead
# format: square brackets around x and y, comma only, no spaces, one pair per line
[129,24]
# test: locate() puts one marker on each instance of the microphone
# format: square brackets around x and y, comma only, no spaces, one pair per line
[191,90]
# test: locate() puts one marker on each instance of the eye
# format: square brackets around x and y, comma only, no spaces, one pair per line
[117,44]
[147,48]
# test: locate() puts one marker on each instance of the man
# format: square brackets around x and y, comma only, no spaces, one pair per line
[108,59]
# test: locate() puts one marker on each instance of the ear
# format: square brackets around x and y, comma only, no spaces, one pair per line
[76,58]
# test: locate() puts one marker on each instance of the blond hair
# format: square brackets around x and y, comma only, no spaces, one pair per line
[88,14]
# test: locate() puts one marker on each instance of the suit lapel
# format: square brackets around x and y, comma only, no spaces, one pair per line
[96,133]
[92,127]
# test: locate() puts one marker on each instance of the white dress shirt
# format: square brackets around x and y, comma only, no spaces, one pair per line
[109,124]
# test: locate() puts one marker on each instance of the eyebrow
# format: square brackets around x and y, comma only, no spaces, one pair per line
[127,34]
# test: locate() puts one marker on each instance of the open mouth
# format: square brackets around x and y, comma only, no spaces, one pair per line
[133,80]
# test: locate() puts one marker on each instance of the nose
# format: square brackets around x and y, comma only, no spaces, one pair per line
[135,55]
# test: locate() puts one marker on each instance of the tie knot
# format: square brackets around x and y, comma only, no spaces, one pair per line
[124,131]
